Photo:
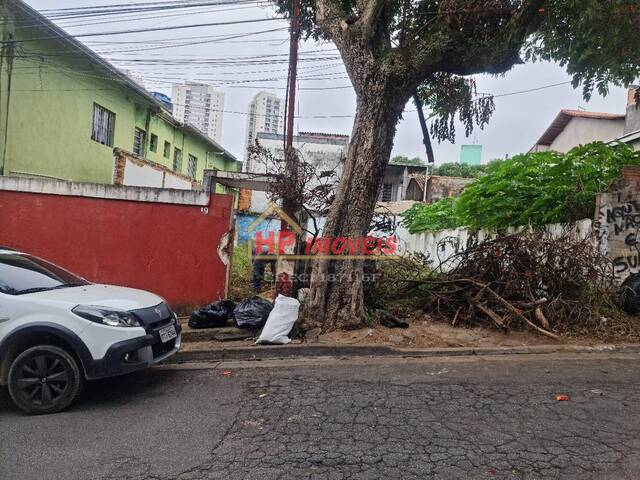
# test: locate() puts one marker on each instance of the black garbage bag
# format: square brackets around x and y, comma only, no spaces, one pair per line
[214,315]
[631,294]
[252,313]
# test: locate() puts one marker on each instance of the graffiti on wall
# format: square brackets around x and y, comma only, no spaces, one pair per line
[617,232]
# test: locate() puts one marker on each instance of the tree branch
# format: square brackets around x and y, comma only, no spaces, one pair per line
[370,17]
[439,51]
[332,17]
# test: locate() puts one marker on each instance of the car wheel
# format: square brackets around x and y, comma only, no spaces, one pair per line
[45,379]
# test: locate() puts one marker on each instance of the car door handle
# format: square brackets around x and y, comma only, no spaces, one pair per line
[4,319]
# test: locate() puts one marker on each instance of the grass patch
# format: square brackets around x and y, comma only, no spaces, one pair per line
[241,268]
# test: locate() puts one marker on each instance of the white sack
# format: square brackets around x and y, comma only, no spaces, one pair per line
[280,321]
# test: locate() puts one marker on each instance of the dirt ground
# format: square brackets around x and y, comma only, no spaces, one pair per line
[421,334]
[430,334]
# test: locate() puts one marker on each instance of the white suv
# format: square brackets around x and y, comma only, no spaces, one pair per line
[58,330]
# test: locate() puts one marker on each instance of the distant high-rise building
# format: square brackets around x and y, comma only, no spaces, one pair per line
[199,105]
[266,115]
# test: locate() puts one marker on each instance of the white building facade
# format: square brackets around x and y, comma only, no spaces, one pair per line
[325,151]
[571,128]
[265,115]
[199,105]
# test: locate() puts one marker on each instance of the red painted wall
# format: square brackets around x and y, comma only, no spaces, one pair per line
[168,249]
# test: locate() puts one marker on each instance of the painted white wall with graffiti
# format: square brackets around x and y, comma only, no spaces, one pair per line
[617,223]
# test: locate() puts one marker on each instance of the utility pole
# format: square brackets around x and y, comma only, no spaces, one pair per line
[286,283]
[291,161]
[293,72]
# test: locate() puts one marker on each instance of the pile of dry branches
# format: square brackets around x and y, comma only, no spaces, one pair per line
[555,286]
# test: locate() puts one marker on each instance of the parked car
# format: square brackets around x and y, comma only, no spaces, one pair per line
[58,330]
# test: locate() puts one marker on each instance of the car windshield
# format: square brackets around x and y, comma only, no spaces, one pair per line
[22,274]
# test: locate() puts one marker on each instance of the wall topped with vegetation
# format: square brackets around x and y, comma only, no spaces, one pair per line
[530,189]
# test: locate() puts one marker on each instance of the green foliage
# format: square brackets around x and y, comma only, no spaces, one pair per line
[437,44]
[404,160]
[240,286]
[451,95]
[596,41]
[459,170]
[436,216]
[531,189]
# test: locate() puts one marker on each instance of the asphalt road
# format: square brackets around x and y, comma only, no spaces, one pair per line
[474,417]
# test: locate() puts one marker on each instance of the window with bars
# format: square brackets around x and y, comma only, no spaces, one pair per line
[138,141]
[153,143]
[177,160]
[104,122]
[387,192]
[192,166]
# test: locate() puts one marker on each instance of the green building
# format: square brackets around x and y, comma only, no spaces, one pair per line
[64,109]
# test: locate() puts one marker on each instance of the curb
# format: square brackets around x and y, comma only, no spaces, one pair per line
[276,352]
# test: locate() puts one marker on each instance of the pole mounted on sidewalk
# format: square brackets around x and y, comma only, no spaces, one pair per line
[287,268]
[291,161]
[293,72]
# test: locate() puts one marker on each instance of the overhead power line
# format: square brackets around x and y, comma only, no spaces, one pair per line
[137,13]
[141,30]
[141,8]
[161,4]
[139,18]
[544,87]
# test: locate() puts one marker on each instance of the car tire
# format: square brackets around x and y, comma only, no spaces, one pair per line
[45,379]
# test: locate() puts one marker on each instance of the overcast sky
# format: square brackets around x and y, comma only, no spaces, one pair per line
[518,122]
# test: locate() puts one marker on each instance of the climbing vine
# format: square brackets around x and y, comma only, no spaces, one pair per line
[530,189]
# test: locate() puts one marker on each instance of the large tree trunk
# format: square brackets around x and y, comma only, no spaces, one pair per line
[336,296]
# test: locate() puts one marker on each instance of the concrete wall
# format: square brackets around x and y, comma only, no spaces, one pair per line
[580,131]
[617,223]
[171,242]
[440,246]
[142,175]
[615,229]
[173,181]
[442,187]
[133,171]
[632,121]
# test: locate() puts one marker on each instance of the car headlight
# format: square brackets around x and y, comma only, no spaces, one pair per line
[106,316]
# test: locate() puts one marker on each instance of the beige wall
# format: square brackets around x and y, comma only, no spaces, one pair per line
[580,131]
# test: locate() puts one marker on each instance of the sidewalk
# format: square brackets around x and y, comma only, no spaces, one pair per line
[230,343]
[276,352]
